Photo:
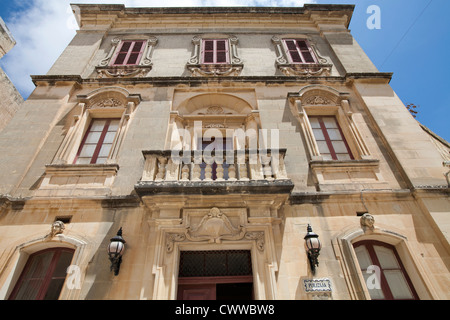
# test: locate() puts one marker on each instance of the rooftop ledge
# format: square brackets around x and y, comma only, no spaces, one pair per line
[95,8]
[120,9]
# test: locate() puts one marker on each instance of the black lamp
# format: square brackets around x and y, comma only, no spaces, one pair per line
[313,245]
[115,251]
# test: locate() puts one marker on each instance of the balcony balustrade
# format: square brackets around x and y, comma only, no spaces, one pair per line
[230,166]
[240,170]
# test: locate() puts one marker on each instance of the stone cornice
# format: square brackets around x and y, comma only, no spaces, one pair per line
[103,8]
[112,11]
[383,77]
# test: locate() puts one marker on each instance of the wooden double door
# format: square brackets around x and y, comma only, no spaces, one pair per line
[219,288]
[215,275]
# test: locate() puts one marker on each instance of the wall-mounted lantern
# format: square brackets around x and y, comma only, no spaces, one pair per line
[313,245]
[115,251]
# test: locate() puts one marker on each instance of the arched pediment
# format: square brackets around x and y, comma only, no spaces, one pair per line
[109,97]
[214,104]
[320,95]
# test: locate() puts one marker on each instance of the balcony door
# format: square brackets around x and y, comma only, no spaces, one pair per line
[215,275]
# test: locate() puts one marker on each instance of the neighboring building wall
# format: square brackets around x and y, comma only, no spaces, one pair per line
[164,209]
[10,98]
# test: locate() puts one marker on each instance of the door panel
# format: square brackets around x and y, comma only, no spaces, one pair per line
[197,292]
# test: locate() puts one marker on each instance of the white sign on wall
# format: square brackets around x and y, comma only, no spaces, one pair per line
[317,285]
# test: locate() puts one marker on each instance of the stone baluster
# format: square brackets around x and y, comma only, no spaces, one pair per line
[196,172]
[162,161]
[231,173]
[185,173]
[208,172]
[267,168]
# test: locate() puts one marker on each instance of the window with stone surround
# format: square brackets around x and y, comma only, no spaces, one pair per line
[43,275]
[329,138]
[127,57]
[130,53]
[298,56]
[299,51]
[97,141]
[339,156]
[215,51]
[215,55]
[88,154]
[381,260]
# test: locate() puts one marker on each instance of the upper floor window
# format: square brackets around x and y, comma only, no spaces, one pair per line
[215,55]
[299,51]
[43,275]
[215,51]
[97,141]
[129,54]
[392,281]
[330,140]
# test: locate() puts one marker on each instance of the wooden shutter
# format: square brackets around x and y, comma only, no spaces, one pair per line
[299,51]
[215,51]
[130,53]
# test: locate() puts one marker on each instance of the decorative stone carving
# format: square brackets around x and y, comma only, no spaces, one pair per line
[57,228]
[215,110]
[367,221]
[108,103]
[317,100]
[215,125]
[259,237]
[123,72]
[215,227]
[172,238]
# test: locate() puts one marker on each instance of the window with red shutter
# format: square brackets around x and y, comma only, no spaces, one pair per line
[299,51]
[215,51]
[129,53]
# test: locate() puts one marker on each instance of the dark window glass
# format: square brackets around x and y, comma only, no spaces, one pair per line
[43,276]
[215,263]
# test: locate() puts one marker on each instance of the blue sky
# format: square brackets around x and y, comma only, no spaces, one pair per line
[413,43]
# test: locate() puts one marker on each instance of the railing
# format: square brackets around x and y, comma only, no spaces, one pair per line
[237,165]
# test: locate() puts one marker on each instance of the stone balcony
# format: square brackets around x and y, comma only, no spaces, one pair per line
[193,172]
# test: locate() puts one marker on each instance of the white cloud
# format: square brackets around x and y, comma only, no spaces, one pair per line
[43,29]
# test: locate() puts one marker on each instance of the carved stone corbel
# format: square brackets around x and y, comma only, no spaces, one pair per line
[258,236]
[171,238]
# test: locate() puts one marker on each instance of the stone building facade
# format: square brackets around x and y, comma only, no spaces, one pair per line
[10,98]
[217,140]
